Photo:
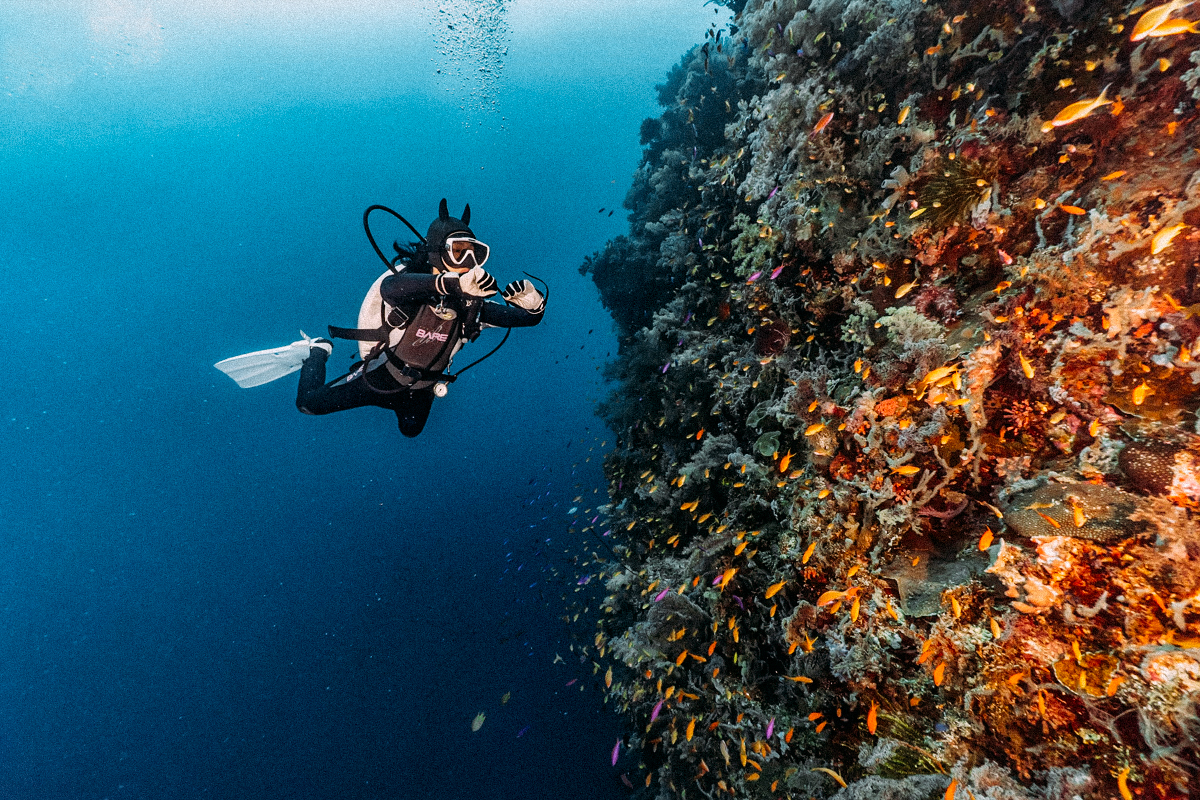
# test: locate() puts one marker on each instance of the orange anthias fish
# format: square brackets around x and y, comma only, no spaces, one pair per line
[1174,27]
[1155,17]
[1078,110]
[821,123]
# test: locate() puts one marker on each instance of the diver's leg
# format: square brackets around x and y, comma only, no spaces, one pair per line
[412,409]
[314,397]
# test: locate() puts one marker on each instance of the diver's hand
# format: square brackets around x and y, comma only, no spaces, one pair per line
[523,295]
[476,282]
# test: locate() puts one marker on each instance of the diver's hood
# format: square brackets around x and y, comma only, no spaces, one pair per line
[441,228]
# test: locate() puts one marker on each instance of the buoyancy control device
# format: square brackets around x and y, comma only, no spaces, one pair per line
[415,350]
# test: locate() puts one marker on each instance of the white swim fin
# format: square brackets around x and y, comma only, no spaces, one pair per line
[264,366]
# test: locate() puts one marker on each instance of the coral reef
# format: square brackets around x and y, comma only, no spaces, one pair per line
[904,494]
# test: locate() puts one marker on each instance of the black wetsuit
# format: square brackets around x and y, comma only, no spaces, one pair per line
[408,292]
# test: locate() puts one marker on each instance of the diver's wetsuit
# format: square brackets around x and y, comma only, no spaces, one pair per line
[407,292]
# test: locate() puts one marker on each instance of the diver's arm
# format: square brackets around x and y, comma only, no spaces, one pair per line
[498,316]
[406,288]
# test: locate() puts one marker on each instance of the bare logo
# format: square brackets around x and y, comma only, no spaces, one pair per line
[427,336]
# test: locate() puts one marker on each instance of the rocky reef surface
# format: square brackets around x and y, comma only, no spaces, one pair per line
[904,495]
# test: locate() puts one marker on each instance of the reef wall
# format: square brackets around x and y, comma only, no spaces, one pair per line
[904,493]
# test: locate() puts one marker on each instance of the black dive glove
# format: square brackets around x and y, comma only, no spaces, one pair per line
[523,295]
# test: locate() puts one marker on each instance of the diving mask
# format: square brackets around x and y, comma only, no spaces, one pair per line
[460,248]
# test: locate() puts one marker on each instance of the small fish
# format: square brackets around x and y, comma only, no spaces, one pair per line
[571,682]
[821,123]
[783,462]
[808,553]
[1075,210]
[985,541]
[905,289]
[477,723]
[658,597]
[1174,27]
[616,753]
[1123,784]
[773,589]
[754,277]
[1162,239]
[775,272]
[1078,110]
[507,696]
[770,728]
[830,597]
[608,678]
[522,732]
[907,470]
[831,773]
[1155,17]
[939,674]
[1140,393]
[1051,520]
[653,714]
[1026,366]
[903,115]
[872,719]
[691,729]
[951,789]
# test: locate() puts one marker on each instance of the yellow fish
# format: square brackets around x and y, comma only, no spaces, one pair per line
[907,470]
[1078,110]
[783,462]
[773,589]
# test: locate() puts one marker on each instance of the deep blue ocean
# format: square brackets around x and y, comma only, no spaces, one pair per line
[203,592]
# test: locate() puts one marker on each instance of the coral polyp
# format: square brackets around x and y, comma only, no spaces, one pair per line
[912,510]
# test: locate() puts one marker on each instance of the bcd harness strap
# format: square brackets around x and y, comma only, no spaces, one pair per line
[435,347]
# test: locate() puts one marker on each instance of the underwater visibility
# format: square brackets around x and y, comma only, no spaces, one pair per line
[859,460]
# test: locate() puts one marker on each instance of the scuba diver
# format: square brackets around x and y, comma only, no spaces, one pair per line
[414,319]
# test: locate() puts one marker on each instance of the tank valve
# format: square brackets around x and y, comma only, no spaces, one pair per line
[439,389]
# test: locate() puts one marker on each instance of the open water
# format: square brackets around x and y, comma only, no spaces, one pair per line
[204,593]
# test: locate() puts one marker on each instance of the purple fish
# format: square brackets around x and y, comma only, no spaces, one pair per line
[616,752]
[657,708]
[775,272]
[754,277]
[770,727]
[662,594]
[521,732]
[716,580]
[571,682]
[666,367]
[583,581]
[741,605]
[773,191]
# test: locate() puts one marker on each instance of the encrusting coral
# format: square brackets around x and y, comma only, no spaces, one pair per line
[905,488]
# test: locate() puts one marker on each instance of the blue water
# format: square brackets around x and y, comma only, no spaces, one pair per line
[204,593]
